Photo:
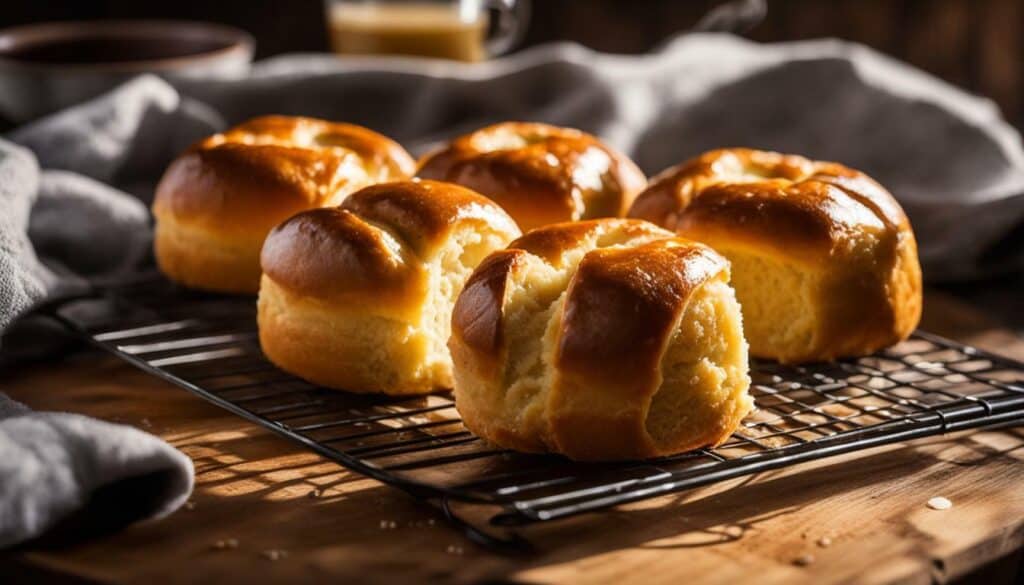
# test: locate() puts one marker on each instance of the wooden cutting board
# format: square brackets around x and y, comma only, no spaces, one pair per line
[859,518]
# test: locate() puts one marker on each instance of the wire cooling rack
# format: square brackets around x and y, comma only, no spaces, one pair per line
[208,345]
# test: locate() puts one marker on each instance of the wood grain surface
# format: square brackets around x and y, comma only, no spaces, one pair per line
[859,518]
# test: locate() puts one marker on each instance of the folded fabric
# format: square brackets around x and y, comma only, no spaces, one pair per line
[23,279]
[67,476]
[63,476]
[953,163]
[76,219]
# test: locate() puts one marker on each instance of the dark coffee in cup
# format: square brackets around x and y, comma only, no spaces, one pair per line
[109,50]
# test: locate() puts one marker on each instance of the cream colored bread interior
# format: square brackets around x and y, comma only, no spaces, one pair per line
[534,297]
[448,273]
[531,324]
[704,370]
[702,394]
[779,300]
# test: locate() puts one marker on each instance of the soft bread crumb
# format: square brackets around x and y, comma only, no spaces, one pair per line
[704,367]
[517,398]
[694,398]
[779,300]
[455,262]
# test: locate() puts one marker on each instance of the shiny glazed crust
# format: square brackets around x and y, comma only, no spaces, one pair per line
[611,301]
[540,174]
[217,201]
[358,297]
[842,236]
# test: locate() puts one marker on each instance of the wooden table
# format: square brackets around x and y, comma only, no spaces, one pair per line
[856,518]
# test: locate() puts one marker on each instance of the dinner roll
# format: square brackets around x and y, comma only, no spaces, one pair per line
[218,200]
[823,258]
[540,174]
[359,297]
[601,339]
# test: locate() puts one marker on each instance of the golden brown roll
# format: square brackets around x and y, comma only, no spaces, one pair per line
[539,174]
[218,200]
[602,339]
[824,261]
[359,297]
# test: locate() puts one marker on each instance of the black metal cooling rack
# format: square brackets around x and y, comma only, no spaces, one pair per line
[207,344]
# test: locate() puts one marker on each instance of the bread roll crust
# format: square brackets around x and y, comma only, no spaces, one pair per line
[622,303]
[372,247]
[540,174]
[217,201]
[834,225]
[628,285]
[334,254]
[351,295]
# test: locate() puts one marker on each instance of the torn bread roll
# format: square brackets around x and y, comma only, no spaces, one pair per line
[359,297]
[599,340]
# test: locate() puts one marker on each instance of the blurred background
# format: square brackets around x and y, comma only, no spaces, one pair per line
[975,44]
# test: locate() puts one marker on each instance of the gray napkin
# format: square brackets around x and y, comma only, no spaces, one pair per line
[954,164]
[69,476]
[23,280]
[63,476]
[85,215]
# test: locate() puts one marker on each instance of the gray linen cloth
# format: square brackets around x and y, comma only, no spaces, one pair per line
[64,476]
[69,476]
[955,165]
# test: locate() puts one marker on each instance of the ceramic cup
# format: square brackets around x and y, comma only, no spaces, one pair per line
[49,66]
